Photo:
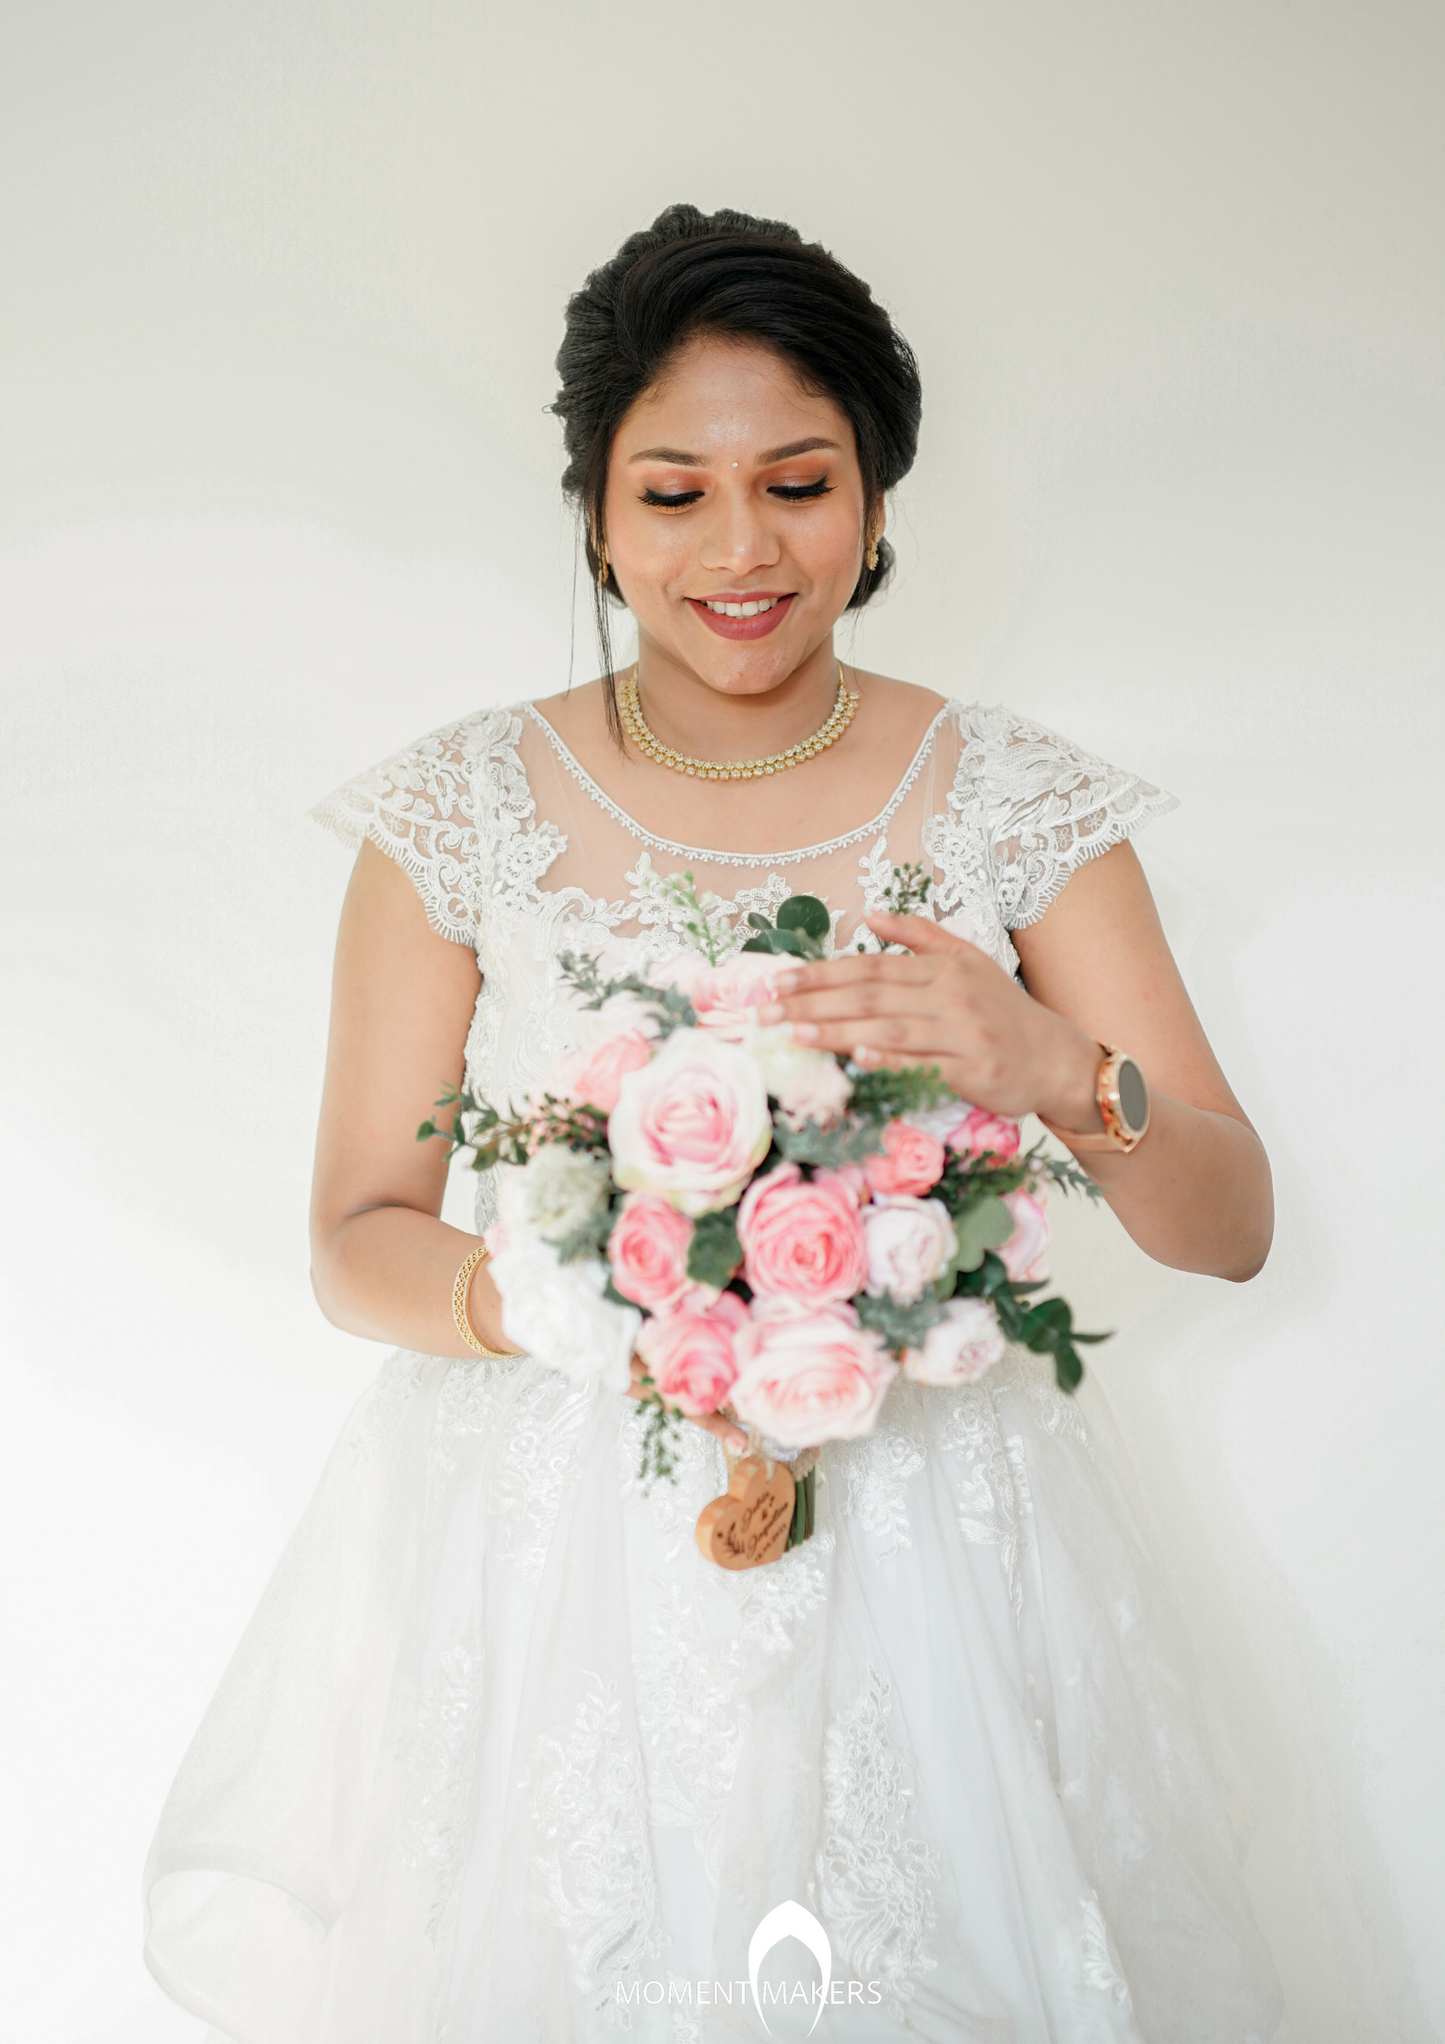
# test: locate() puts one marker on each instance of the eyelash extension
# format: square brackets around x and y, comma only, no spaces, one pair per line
[791,493]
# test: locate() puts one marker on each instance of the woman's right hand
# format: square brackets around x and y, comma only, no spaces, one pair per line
[727,1431]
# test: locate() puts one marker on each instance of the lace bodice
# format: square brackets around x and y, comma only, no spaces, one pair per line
[515,849]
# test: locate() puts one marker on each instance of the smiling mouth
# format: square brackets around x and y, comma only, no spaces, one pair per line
[754,607]
[742,617]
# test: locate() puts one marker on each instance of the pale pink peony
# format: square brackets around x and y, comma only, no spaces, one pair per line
[983,1134]
[727,997]
[647,1250]
[802,1240]
[810,1376]
[1025,1254]
[910,1162]
[910,1242]
[959,1348]
[593,1078]
[692,1124]
[692,1355]
[808,1085]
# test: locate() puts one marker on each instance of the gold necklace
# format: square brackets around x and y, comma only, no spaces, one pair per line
[635,724]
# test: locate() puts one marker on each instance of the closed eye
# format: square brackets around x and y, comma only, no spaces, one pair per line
[794,493]
[671,503]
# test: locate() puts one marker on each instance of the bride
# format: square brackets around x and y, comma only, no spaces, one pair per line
[500,1754]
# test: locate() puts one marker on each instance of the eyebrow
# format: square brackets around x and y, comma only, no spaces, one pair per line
[679,459]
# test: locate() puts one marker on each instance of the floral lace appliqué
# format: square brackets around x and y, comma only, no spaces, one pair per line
[874,1883]
[438,1756]
[595,1880]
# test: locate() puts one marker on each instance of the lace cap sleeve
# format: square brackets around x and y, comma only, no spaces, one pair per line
[1050,806]
[421,807]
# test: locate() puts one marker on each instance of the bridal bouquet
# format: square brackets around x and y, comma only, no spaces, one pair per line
[773,1231]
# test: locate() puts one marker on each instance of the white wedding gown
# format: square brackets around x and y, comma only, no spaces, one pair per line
[501,1757]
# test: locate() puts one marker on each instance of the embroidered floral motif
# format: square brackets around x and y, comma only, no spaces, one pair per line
[596,1881]
[875,1884]
[439,1759]
[879,1468]
[689,1714]
[987,1500]
[538,1434]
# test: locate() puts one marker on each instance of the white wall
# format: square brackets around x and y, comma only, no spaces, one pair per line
[280,285]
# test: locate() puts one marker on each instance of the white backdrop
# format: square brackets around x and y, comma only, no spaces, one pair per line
[280,287]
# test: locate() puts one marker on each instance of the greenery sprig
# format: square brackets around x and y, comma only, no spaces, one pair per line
[801,930]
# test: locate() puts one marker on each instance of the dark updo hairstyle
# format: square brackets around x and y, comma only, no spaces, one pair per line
[728,274]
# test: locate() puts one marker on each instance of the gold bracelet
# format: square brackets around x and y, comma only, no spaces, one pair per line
[459,1304]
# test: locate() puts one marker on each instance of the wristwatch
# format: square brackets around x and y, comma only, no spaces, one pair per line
[1123,1098]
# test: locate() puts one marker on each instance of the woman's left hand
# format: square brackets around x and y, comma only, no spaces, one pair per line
[946,1004]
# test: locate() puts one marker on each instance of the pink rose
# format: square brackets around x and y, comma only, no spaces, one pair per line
[982,1134]
[911,1161]
[692,1124]
[853,1176]
[692,1356]
[802,1239]
[647,1250]
[910,1242]
[593,1078]
[959,1348]
[1025,1253]
[810,1376]
[726,997]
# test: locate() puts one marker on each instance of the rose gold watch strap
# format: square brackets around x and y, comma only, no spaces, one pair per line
[1076,1141]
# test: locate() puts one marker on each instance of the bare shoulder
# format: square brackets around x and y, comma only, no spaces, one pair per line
[892,712]
[573,713]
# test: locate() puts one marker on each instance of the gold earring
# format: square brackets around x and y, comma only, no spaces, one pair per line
[871,557]
[603,565]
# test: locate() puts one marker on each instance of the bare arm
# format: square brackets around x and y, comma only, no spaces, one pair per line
[1196,1193]
[382,1262]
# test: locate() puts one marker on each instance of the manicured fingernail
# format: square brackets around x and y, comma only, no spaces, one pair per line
[862,1055]
[805,1032]
[784,982]
[770,1011]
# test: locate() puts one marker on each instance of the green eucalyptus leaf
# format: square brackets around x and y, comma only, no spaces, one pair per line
[806,913]
[758,922]
[715,1251]
[984,1226]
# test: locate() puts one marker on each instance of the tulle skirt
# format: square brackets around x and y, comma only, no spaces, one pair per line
[501,1756]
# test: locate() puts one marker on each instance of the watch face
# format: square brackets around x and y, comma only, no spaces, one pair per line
[1133,1095]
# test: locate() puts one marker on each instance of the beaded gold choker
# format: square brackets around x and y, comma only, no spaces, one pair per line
[635,725]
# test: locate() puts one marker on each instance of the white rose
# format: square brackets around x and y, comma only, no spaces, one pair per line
[959,1348]
[561,1189]
[556,1313]
[808,1085]
[910,1243]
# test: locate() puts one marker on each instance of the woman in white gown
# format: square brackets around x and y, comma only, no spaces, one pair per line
[501,1756]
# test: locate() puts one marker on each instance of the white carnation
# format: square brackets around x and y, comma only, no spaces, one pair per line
[556,1313]
[560,1190]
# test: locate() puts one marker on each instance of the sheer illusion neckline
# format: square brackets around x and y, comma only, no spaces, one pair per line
[630,824]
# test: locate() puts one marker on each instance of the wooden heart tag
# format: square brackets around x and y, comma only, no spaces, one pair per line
[749,1525]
